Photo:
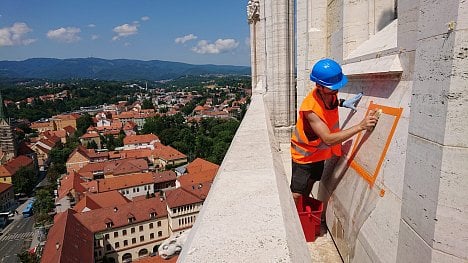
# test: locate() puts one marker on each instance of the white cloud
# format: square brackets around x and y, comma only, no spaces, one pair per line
[125,30]
[127,44]
[219,46]
[145,18]
[67,35]
[94,37]
[91,25]
[14,35]
[181,40]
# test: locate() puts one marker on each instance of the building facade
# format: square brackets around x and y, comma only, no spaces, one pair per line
[7,197]
[407,57]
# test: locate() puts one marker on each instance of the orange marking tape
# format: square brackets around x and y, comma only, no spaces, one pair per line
[369,176]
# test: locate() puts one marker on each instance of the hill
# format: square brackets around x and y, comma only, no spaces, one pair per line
[115,69]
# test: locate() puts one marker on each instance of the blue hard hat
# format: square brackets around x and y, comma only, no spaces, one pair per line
[327,72]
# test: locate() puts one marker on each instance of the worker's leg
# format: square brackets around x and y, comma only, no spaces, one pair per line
[315,171]
[310,185]
[299,180]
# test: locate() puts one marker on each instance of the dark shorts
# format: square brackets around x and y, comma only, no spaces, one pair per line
[301,173]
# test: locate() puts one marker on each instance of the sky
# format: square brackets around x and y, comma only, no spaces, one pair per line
[190,31]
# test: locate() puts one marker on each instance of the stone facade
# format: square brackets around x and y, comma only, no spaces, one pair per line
[401,54]
[273,74]
[132,241]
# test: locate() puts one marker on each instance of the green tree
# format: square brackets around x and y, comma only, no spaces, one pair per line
[147,104]
[83,123]
[24,180]
[43,204]
[92,145]
[26,257]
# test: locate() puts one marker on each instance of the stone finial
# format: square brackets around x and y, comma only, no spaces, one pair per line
[253,11]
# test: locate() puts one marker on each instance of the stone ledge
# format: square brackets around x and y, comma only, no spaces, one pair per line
[249,215]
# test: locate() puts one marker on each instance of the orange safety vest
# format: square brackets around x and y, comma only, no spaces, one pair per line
[305,151]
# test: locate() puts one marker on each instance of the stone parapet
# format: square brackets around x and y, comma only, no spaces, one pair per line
[249,215]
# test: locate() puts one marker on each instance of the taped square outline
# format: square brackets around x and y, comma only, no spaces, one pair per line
[370,178]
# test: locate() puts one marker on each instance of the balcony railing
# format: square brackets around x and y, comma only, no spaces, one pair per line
[249,215]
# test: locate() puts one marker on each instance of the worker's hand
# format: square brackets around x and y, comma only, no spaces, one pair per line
[369,122]
[351,103]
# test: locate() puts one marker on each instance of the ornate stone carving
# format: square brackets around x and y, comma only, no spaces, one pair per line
[253,11]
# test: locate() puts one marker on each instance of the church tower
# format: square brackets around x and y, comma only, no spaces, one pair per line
[7,139]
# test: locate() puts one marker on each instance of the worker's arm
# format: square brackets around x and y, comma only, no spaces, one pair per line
[329,138]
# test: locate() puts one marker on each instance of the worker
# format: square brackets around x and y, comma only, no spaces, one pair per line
[317,136]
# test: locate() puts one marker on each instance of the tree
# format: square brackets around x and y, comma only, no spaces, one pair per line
[26,257]
[83,123]
[43,205]
[92,145]
[24,180]
[147,104]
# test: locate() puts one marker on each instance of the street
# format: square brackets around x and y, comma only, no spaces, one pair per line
[16,237]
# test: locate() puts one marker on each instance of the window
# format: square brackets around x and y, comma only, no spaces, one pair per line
[152,214]
[116,234]
[125,243]
[124,232]
[108,247]
[141,228]
[151,225]
[142,238]
[108,224]
[159,223]
[132,230]
[152,236]
[174,210]
[117,245]
[107,236]
[159,233]
[133,240]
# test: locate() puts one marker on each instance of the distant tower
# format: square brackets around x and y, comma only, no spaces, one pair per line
[7,139]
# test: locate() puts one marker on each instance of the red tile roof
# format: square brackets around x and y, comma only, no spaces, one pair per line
[199,165]
[156,259]
[79,150]
[95,220]
[12,166]
[72,116]
[95,201]
[136,139]
[90,135]
[132,180]
[69,129]
[36,125]
[68,241]
[126,166]
[198,172]
[167,153]
[201,190]
[115,167]
[130,125]
[70,182]
[179,197]
[137,153]
[4,187]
